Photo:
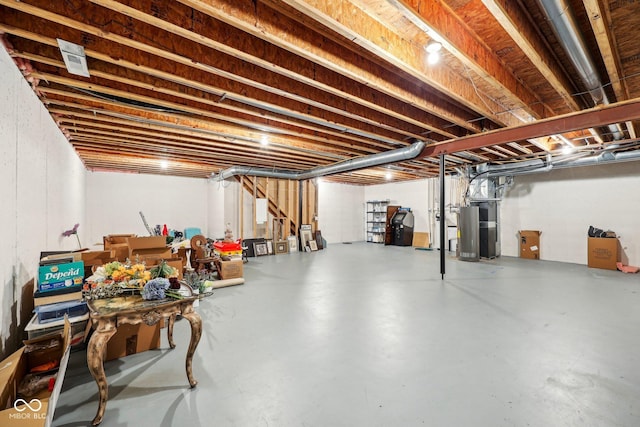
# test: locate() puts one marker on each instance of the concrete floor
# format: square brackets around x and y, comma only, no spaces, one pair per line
[368,335]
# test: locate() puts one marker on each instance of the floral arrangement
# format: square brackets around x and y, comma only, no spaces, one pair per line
[115,278]
[155,288]
[133,275]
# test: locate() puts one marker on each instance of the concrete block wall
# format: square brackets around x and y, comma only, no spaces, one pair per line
[114,202]
[42,193]
[563,203]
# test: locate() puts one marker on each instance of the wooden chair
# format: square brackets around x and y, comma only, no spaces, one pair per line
[199,258]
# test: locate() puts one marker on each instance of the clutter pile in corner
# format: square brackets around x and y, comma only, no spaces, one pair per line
[597,232]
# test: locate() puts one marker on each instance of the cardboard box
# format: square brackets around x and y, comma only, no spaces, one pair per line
[230,269]
[94,259]
[77,334]
[530,244]
[603,252]
[152,246]
[131,339]
[53,297]
[36,410]
[117,244]
[420,240]
[57,276]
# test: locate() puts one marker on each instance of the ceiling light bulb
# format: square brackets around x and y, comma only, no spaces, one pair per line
[164,164]
[567,150]
[434,47]
[388,176]
[433,58]
[264,140]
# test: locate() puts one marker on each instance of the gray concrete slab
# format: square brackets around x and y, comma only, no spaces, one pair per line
[368,335]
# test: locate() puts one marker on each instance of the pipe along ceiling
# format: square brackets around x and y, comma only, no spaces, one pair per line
[378,159]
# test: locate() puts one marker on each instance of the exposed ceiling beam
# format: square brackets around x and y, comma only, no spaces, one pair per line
[315,81]
[281,31]
[610,55]
[509,15]
[194,63]
[458,39]
[593,117]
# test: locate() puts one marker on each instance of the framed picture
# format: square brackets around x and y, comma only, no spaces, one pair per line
[260,249]
[269,247]
[319,239]
[293,243]
[282,247]
[313,245]
[305,235]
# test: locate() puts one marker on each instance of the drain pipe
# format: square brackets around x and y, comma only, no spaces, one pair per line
[563,23]
[378,159]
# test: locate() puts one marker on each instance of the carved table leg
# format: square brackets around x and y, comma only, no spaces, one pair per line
[172,320]
[196,332]
[95,360]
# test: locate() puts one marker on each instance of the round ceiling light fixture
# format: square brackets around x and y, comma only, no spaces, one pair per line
[433,49]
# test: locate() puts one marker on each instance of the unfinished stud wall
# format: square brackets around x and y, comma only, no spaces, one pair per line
[42,193]
[563,203]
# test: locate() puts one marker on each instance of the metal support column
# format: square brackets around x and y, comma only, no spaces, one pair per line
[442,218]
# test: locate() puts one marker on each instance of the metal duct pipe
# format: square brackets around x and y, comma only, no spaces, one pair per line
[378,159]
[563,23]
[604,158]
[535,163]
[601,159]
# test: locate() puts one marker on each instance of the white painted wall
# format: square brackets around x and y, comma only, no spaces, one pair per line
[411,194]
[114,201]
[563,203]
[422,196]
[42,194]
[341,212]
[216,208]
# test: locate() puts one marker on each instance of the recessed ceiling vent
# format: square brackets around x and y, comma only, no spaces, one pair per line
[74,58]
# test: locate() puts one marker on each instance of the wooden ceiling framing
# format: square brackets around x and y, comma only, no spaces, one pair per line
[201,85]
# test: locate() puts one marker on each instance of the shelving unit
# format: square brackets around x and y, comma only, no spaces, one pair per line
[376,220]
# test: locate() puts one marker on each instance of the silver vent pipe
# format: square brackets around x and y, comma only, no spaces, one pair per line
[545,166]
[564,25]
[378,159]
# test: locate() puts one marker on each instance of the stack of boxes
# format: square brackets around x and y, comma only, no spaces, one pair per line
[59,293]
[59,290]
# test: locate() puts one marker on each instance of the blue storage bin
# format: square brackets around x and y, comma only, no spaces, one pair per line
[190,232]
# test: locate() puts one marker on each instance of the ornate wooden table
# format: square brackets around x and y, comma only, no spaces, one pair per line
[109,313]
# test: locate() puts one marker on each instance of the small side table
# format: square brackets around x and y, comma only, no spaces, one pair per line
[109,313]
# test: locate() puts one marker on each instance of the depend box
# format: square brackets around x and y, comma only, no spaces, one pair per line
[59,276]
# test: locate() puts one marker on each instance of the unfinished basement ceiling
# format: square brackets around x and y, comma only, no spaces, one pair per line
[204,84]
